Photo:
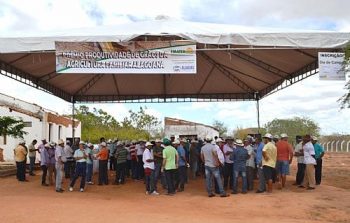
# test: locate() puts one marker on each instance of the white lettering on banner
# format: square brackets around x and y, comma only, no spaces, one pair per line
[331,66]
[106,57]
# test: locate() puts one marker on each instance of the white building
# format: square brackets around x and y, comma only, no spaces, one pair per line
[40,124]
[181,128]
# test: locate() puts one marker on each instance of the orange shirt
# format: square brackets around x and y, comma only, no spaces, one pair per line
[103,154]
[283,150]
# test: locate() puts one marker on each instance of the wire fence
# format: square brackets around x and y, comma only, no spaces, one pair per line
[336,146]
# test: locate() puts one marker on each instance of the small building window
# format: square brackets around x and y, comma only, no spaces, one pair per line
[27,124]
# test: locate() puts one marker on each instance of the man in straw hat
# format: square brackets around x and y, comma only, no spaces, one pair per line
[20,158]
[148,160]
[158,161]
[211,163]
[269,153]
[284,159]
[239,158]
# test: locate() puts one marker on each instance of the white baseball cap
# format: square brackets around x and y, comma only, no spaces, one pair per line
[149,144]
[158,141]
[103,144]
[284,135]
[81,143]
[276,136]
[268,135]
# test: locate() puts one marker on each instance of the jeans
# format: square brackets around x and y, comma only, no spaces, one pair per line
[150,182]
[69,168]
[112,163]
[59,174]
[134,169]
[89,169]
[140,170]
[250,178]
[228,175]
[31,165]
[51,170]
[169,176]
[318,171]
[216,187]
[262,183]
[194,169]
[180,184]
[300,174]
[209,173]
[80,171]
[43,177]
[120,173]
[243,173]
[102,172]
[21,171]
[158,174]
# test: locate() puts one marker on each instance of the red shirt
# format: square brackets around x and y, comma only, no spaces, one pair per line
[283,150]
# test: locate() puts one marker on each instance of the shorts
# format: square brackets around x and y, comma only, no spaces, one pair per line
[282,167]
[268,173]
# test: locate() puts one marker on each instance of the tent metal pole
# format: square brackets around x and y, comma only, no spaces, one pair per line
[258,114]
[73,116]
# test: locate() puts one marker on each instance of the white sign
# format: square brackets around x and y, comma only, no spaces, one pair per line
[331,66]
[142,57]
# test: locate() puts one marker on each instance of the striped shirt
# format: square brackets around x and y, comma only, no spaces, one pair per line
[121,155]
[132,150]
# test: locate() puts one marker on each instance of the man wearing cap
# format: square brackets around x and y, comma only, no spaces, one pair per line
[300,158]
[170,164]
[44,159]
[228,167]
[284,159]
[259,149]
[211,162]
[239,158]
[194,155]
[310,162]
[148,166]
[319,153]
[276,138]
[112,148]
[20,158]
[250,164]
[32,156]
[269,153]
[182,166]
[80,169]
[140,147]
[102,156]
[60,159]
[120,157]
[218,145]
[89,163]
[158,160]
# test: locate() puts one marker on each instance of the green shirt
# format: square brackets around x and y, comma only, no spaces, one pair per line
[318,150]
[121,155]
[89,153]
[156,149]
[169,154]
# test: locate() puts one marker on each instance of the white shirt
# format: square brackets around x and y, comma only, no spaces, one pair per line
[220,154]
[139,150]
[226,149]
[148,155]
[298,148]
[308,152]
[251,153]
[68,151]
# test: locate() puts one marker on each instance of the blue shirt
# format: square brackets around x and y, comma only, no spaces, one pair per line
[318,150]
[239,158]
[182,154]
[259,153]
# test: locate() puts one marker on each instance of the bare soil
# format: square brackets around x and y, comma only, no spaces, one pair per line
[30,202]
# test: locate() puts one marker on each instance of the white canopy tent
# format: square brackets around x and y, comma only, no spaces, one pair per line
[233,62]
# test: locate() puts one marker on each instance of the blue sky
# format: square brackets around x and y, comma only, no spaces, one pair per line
[311,98]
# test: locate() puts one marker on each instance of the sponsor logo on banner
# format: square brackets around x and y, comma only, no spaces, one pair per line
[331,66]
[142,57]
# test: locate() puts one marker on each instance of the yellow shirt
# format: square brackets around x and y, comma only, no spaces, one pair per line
[20,153]
[271,152]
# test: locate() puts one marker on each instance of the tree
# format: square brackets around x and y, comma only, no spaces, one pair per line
[142,120]
[293,127]
[345,99]
[221,127]
[11,127]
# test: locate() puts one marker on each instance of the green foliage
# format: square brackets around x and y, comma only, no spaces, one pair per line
[11,127]
[293,127]
[221,127]
[345,99]
[98,123]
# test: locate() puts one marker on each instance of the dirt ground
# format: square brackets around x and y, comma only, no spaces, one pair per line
[30,202]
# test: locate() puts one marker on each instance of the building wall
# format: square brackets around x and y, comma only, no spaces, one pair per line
[199,130]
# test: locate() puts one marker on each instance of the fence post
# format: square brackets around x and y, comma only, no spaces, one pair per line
[332,145]
[341,146]
[337,146]
[347,146]
[327,146]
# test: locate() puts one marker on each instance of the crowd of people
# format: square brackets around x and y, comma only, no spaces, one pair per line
[171,163]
